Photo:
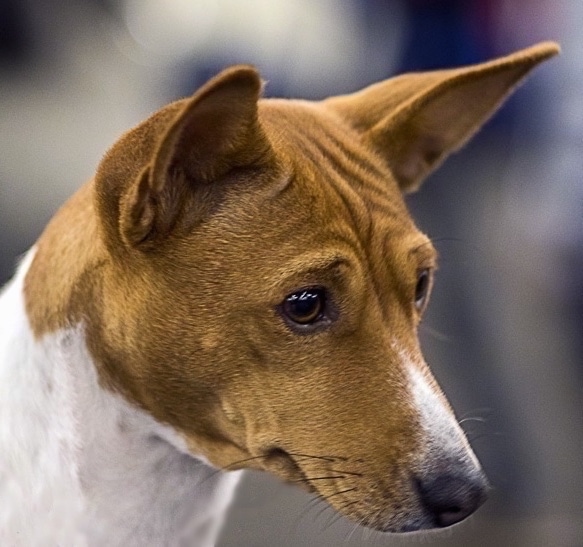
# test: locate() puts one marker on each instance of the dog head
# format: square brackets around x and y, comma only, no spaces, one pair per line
[264,284]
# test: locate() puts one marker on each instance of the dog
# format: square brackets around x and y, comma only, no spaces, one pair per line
[240,286]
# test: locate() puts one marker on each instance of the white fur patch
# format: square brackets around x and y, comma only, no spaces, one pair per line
[79,466]
[443,434]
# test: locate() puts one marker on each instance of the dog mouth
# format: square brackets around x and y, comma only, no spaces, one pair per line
[417,503]
[287,466]
[324,476]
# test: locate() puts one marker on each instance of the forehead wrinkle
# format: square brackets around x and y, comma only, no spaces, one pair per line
[379,217]
[367,190]
[363,170]
[322,140]
[351,183]
[323,153]
[379,225]
[317,169]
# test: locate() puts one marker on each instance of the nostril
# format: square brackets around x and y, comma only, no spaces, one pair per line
[450,498]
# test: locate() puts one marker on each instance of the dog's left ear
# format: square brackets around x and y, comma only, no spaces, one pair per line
[417,120]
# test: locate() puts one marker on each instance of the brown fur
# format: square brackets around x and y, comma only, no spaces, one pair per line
[202,219]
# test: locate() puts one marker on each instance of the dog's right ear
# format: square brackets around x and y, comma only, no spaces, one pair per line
[214,132]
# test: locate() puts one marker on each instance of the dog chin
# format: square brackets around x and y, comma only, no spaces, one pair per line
[414,524]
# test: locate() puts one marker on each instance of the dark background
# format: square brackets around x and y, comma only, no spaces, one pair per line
[503,333]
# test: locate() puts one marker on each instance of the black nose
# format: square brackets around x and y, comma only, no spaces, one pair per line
[450,498]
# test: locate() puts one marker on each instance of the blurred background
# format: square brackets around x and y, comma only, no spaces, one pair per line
[504,331]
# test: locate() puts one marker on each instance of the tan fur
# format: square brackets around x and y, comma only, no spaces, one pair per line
[202,219]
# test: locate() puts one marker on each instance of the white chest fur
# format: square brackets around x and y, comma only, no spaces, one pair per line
[81,466]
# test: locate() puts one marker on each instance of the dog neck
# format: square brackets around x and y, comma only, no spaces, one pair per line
[89,460]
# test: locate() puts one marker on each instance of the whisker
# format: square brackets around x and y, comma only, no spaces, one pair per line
[336,512]
[315,501]
[310,505]
[435,240]
[474,438]
[466,245]
[245,460]
[434,333]
[347,504]
[294,454]
[352,473]
[484,410]
[447,239]
[473,419]
[227,467]
[368,532]
[334,517]
[325,458]
[357,526]
[322,511]
[339,515]
[309,479]
[326,498]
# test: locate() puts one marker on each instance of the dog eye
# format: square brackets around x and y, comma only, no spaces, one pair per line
[422,289]
[305,307]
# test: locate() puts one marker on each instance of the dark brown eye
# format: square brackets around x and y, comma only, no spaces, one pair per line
[422,289]
[305,307]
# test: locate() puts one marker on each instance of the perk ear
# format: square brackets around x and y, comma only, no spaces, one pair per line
[217,130]
[417,120]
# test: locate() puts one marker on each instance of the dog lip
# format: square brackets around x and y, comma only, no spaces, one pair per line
[275,452]
[281,462]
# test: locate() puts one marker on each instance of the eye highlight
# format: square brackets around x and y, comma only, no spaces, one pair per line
[422,289]
[305,307]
